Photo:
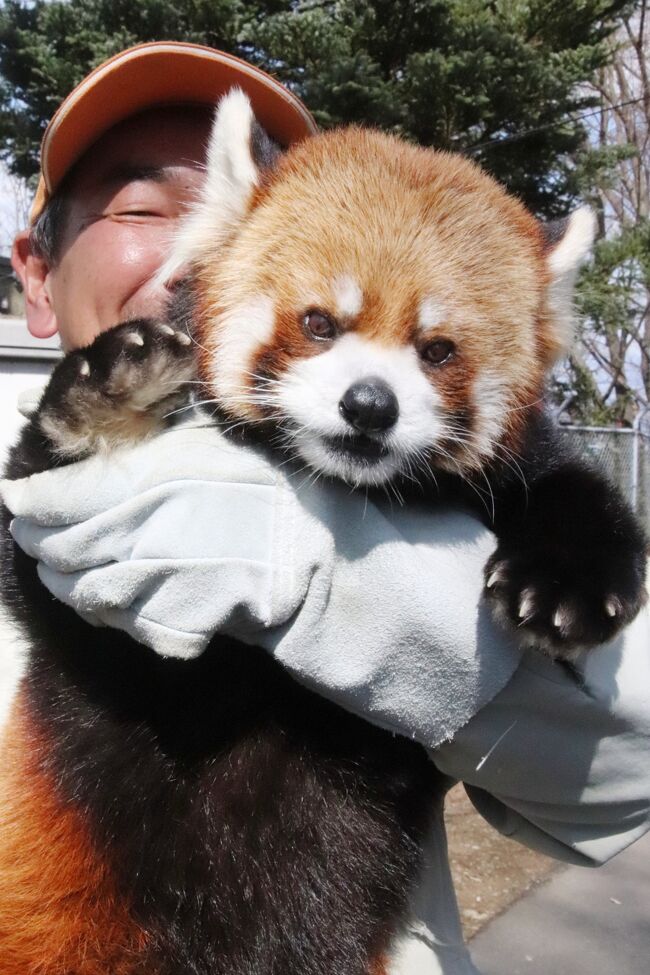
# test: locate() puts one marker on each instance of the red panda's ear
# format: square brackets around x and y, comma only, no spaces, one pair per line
[568,242]
[237,152]
[231,170]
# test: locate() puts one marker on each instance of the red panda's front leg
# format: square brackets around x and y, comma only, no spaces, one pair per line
[569,570]
[119,390]
[60,910]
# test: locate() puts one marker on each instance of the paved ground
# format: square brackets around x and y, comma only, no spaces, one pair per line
[490,871]
[580,922]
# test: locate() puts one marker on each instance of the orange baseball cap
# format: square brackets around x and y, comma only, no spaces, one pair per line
[159,73]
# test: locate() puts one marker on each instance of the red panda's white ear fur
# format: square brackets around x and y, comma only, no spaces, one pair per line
[564,256]
[231,176]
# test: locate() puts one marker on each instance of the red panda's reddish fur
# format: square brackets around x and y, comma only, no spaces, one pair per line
[60,913]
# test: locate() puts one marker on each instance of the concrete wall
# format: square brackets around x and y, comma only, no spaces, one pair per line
[21,369]
[17,376]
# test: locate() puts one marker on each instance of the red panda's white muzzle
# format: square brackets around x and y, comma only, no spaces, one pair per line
[360,411]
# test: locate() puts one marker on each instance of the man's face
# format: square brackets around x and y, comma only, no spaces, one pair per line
[126,196]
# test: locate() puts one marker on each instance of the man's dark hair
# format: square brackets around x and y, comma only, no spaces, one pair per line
[46,234]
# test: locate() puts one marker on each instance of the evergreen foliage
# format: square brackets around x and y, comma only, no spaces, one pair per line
[455,74]
[515,84]
[608,385]
[606,380]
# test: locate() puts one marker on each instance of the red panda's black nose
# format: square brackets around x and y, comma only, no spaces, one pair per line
[370,406]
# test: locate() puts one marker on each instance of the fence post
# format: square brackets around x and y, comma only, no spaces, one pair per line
[636,448]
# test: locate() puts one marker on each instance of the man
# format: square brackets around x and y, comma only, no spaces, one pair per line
[131,139]
[113,186]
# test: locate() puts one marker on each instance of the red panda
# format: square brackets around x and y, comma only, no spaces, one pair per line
[388,314]
[394,313]
[359,254]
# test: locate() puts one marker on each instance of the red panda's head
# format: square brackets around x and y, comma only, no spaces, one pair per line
[388,307]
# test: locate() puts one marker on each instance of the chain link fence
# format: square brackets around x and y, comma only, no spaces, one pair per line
[624,456]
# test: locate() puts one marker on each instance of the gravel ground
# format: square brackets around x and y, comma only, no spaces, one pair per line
[490,871]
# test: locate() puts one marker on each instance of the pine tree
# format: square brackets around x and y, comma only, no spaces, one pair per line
[502,81]
[46,48]
[498,80]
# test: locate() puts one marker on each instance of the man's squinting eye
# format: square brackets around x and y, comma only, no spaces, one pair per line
[143,210]
[141,201]
[319,326]
[141,213]
[438,352]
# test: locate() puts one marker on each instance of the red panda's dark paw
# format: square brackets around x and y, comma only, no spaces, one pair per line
[117,390]
[562,602]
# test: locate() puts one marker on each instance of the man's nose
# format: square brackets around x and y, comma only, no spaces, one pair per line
[370,406]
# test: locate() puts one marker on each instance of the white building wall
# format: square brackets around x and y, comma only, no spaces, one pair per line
[21,369]
[17,376]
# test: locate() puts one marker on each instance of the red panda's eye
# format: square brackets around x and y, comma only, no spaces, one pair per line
[319,325]
[439,351]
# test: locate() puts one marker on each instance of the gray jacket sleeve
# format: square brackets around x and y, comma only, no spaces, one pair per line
[560,760]
[377,608]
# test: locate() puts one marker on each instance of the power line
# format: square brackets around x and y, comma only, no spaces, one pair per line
[551,125]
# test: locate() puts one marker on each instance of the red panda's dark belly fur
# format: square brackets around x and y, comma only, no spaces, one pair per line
[246,826]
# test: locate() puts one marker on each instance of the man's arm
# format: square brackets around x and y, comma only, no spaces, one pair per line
[188,535]
[379,609]
[560,760]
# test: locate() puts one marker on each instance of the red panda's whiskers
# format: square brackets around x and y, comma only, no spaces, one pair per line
[267,380]
[525,407]
[181,382]
[408,472]
[197,343]
[393,493]
[418,463]
[492,509]
[512,461]
[480,495]
[191,406]
[229,428]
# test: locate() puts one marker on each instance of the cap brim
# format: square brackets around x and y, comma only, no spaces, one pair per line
[157,74]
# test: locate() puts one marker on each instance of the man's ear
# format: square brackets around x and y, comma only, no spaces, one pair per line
[33,273]
[567,243]
[239,152]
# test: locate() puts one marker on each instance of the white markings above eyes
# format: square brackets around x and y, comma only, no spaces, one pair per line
[431,313]
[348,296]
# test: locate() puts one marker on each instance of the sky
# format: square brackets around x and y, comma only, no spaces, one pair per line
[14,205]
